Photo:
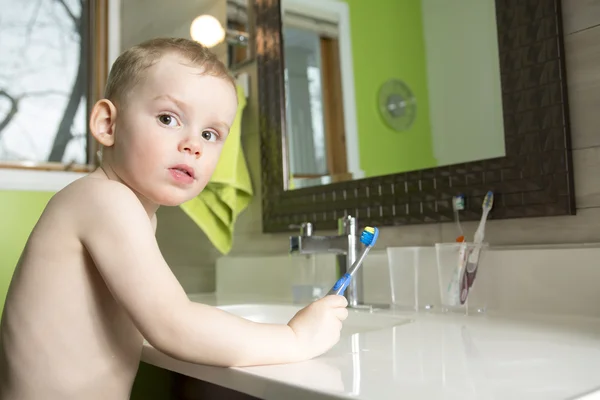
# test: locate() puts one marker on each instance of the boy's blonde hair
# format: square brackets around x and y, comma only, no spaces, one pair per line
[130,67]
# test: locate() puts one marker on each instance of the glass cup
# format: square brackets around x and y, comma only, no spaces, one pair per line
[403,268]
[458,267]
[413,278]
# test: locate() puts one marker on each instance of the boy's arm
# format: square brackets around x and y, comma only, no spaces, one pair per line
[120,239]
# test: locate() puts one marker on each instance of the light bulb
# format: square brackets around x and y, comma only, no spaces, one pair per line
[207,30]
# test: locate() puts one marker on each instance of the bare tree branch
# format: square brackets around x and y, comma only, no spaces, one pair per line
[76,20]
[14,108]
[8,154]
[49,92]
[14,103]
[30,137]
[29,27]
[55,17]
[63,134]
[32,22]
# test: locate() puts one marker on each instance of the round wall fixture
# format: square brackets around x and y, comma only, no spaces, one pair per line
[397,105]
[207,30]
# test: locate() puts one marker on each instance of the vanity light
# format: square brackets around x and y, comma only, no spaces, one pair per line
[207,30]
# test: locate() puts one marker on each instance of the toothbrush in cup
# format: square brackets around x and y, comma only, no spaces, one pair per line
[368,238]
[473,260]
[458,204]
[454,286]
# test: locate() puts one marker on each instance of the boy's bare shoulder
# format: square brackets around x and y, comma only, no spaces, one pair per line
[94,185]
[91,195]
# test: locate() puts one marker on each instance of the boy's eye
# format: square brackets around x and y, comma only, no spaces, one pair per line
[167,120]
[209,135]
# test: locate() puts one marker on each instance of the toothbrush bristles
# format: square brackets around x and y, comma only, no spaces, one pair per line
[488,200]
[369,236]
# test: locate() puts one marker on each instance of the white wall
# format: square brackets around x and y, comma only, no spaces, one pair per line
[146,19]
[463,77]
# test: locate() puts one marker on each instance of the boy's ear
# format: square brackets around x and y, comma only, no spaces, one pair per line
[102,122]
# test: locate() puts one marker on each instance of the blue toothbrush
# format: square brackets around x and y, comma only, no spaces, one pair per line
[368,238]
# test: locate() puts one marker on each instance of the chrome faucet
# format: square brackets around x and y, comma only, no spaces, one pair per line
[346,245]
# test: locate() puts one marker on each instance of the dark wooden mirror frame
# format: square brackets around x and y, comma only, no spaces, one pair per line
[534,179]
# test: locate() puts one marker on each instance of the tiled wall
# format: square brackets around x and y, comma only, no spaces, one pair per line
[192,258]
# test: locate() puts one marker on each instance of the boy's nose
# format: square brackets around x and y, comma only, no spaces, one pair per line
[192,146]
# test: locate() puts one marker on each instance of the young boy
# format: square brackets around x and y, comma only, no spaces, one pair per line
[92,283]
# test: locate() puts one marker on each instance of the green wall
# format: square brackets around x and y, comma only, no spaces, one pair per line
[390,47]
[19,212]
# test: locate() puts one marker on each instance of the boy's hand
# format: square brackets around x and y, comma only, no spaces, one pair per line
[318,325]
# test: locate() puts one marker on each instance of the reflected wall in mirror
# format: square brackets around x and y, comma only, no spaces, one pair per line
[378,88]
[529,168]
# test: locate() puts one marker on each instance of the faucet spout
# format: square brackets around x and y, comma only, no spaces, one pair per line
[345,245]
[319,244]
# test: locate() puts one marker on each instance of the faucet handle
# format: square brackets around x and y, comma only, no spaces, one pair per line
[306,228]
[347,225]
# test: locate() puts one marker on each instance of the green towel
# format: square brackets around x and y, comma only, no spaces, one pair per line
[229,191]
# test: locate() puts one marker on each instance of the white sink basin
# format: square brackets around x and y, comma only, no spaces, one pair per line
[357,321]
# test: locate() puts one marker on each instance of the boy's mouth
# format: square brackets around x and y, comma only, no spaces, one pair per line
[185,169]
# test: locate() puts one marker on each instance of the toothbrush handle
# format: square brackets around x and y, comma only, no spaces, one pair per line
[342,283]
[354,267]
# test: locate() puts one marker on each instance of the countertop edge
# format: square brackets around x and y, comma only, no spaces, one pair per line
[232,378]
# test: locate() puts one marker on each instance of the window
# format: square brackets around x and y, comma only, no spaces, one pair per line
[53,67]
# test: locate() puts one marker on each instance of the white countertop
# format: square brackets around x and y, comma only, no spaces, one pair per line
[431,357]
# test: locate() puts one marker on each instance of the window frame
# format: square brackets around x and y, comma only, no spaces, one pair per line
[104,44]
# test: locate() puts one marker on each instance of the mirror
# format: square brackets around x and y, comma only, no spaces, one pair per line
[418,89]
[529,168]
